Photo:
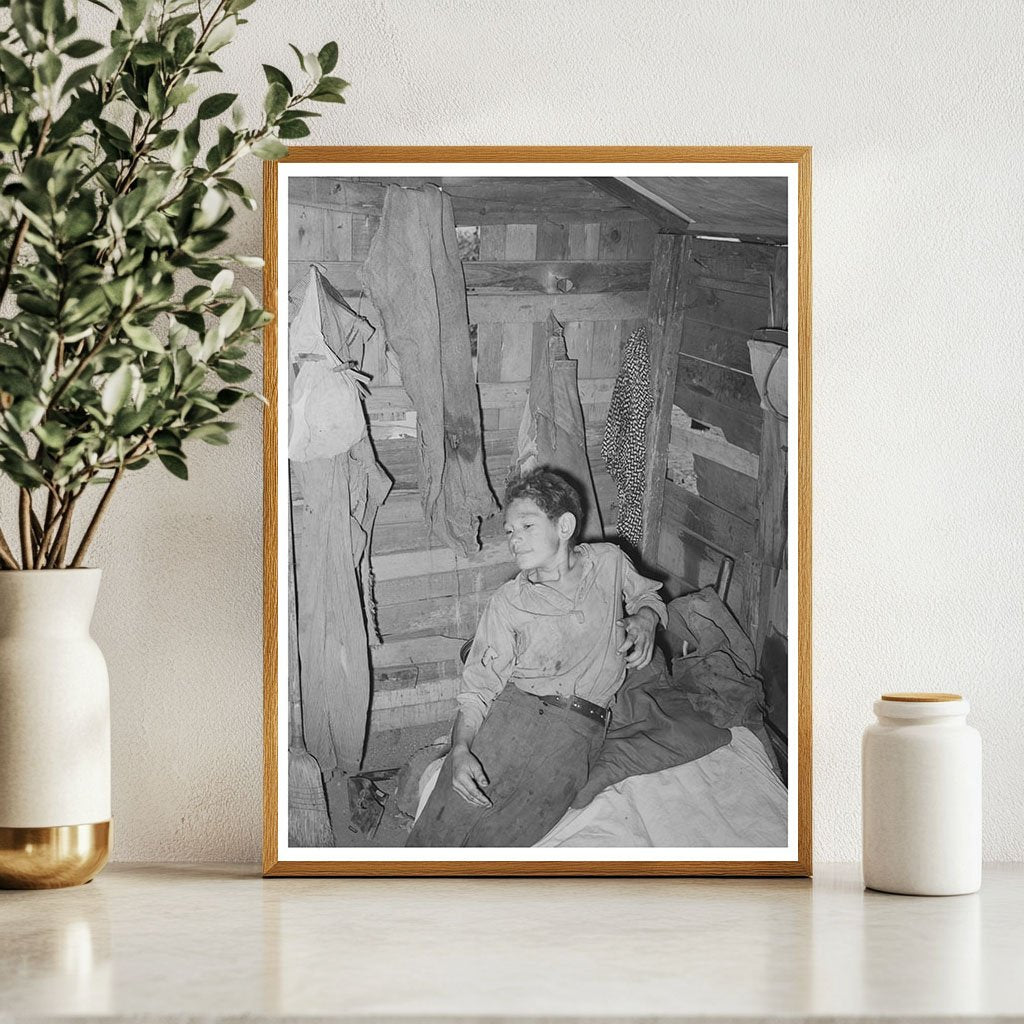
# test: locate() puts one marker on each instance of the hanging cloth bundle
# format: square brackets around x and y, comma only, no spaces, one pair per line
[624,445]
[552,432]
[414,276]
[335,472]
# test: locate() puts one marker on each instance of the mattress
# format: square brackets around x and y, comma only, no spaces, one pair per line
[728,798]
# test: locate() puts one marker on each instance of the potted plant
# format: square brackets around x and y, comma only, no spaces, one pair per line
[122,339]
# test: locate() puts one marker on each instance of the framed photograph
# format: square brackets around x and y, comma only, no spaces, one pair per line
[537,511]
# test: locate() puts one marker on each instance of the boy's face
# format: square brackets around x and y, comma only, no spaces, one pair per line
[535,540]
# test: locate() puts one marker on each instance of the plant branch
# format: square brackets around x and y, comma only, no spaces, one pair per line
[60,544]
[6,555]
[25,522]
[85,359]
[90,531]
[22,229]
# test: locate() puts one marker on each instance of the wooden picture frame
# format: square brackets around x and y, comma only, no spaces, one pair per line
[716,247]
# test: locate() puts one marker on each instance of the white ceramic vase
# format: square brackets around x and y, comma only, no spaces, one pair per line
[54,731]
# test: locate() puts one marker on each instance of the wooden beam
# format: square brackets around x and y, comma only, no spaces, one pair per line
[520,307]
[729,490]
[422,650]
[478,201]
[722,345]
[770,546]
[492,396]
[742,230]
[686,513]
[688,440]
[733,261]
[665,326]
[724,308]
[722,383]
[435,586]
[665,219]
[742,428]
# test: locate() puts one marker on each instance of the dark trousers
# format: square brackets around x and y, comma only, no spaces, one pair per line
[536,757]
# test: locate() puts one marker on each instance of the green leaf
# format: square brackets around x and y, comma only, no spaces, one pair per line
[181,94]
[149,53]
[133,13]
[109,65]
[221,35]
[184,44]
[222,281]
[53,435]
[292,130]
[227,397]
[328,58]
[49,68]
[269,149]
[193,379]
[83,48]
[274,76]
[26,414]
[16,70]
[144,338]
[129,421]
[174,465]
[232,373]
[325,96]
[211,433]
[334,84]
[232,319]
[78,78]
[116,390]
[214,105]
[276,100]
[156,101]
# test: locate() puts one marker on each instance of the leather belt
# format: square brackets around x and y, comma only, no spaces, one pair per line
[577,704]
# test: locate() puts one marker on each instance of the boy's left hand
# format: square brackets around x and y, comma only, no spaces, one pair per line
[639,640]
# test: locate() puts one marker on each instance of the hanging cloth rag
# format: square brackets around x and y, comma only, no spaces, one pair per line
[624,445]
[414,277]
[769,363]
[552,432]
[337,488]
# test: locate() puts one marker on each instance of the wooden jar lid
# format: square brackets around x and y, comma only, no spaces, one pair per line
[921,698]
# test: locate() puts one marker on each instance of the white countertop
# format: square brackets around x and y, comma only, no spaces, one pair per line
[181,941]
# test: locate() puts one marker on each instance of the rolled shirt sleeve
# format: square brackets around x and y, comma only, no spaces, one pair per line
[491,660]
[640,592]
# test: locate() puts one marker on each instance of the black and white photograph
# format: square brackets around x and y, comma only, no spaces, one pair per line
[536,470]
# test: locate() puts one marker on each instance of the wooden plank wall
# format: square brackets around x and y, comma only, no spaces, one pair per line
[710,509]
[533,240]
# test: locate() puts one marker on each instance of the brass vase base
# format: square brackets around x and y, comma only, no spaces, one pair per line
[54,857]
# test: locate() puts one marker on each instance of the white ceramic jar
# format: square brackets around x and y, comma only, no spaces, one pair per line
[921,778]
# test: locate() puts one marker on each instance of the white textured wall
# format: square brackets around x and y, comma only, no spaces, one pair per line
[914,113]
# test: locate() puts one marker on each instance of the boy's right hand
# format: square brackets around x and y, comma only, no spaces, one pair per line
[469,777]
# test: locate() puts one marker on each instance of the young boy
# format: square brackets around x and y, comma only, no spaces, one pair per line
[551,651]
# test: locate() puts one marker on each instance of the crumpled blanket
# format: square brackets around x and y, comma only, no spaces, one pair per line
[654,726]
[719,676]
[414,276]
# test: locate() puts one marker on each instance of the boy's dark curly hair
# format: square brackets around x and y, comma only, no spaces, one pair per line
[552,492]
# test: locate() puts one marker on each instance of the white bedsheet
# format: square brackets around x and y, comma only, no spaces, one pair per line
[730,797]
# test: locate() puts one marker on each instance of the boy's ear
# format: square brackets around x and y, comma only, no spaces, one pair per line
[566,525]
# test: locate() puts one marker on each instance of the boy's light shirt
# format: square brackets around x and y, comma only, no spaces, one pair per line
[548,643]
